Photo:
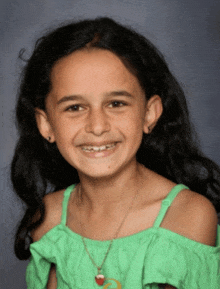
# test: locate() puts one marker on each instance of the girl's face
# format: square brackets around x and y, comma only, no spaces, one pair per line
[96,112]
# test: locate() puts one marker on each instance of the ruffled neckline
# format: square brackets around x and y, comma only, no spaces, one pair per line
[142,235]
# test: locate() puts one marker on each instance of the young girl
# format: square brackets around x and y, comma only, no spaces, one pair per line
[104,128]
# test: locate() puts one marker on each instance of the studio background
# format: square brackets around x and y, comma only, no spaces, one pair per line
[188,34]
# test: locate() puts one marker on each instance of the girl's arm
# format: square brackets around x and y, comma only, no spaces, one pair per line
[197,221]
[53,212]
[52,280]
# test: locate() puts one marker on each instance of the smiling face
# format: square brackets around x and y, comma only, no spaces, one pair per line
[96,112]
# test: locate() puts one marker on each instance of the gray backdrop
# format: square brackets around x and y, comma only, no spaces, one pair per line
[188,34]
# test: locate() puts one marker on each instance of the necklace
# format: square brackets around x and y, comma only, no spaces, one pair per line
[99,278]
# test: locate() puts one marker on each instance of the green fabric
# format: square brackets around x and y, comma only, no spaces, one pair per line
[142,260]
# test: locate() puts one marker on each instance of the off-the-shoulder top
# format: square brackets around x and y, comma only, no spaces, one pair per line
[142,260]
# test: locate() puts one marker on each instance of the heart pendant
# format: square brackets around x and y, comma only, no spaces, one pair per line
[99,279]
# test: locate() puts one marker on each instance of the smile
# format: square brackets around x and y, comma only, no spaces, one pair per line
[98,148]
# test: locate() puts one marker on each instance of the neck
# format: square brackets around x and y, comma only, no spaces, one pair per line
[105,196]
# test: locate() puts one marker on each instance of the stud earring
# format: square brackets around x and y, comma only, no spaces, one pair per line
[49,138]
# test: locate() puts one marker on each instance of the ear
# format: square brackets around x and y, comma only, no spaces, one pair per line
[44,125]
[154,109]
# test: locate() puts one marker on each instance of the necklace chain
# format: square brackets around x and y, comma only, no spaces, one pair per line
[116,234]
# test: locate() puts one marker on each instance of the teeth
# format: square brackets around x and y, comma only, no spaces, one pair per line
[98,149]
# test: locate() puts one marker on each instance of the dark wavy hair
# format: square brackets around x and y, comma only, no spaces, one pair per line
[171,149]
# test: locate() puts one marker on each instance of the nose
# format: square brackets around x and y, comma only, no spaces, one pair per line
[97,122]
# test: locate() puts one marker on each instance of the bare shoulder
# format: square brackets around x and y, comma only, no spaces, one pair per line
[193,216]
[53,212]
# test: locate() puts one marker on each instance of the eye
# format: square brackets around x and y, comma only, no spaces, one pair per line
[75,107]
[117,104]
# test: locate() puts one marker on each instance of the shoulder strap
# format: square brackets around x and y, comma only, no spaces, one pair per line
[66,197]
[167,202]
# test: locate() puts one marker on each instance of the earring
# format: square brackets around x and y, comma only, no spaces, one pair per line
[49,138]
[149,130]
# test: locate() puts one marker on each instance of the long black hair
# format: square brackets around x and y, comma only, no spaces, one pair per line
[171,149]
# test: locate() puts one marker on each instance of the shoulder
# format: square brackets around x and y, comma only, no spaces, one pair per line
[193,216]
[53,213]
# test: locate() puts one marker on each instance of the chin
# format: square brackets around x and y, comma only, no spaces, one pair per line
[97,174]
[103,172]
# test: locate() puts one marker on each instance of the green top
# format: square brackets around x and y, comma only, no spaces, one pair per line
[142,260]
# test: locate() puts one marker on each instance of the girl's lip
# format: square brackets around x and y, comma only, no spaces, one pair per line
[104,153]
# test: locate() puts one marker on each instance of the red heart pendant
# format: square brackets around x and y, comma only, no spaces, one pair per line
[99,279]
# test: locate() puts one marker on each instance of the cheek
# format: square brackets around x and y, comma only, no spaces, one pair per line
[134,122]
[62,131]
[63,124]
[133,129]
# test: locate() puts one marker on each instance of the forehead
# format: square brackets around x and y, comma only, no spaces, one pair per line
[93,69]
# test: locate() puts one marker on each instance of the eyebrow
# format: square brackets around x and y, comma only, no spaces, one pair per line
[79,97]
